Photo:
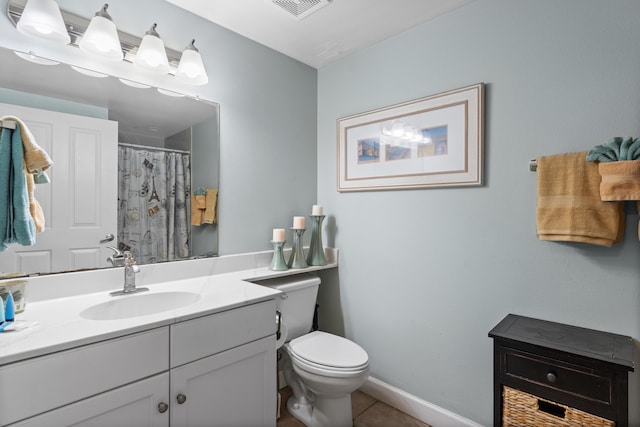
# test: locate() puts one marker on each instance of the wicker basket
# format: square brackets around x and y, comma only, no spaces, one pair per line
[520,409]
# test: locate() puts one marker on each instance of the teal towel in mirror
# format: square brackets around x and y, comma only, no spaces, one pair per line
[16,223]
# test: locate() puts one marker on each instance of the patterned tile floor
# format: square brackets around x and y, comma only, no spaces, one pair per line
[367,412]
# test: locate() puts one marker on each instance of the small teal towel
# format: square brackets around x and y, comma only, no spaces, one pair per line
[616,149]
[16,222]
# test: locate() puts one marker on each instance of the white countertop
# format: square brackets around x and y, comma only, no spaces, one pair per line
[58,324]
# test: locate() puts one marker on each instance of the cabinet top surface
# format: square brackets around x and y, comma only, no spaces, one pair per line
[222,283]
[605,346]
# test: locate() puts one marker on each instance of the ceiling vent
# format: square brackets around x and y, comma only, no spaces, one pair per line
[299,9]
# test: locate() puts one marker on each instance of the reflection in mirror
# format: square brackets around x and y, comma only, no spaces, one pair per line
[126,161]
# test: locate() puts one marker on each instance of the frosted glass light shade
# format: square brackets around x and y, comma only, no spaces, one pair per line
[191,69]
[42,18]
[101,37]
[151,54]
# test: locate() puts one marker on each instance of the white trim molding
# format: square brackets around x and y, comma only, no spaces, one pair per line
[414,406]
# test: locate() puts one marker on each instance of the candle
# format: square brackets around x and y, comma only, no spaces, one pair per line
[278,234]
[316,210]
[298,222]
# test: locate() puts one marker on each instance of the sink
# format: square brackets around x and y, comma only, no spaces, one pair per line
[137,305]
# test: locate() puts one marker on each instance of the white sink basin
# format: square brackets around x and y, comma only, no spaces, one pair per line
[142,304]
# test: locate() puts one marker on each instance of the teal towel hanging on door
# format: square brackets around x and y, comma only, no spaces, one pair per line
[16,222]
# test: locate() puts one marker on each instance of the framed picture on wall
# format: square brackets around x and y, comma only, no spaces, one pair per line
[434,141]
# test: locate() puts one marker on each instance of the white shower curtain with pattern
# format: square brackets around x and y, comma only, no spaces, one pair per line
[153,215]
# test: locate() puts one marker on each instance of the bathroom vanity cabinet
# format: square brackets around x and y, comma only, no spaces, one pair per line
[215,370]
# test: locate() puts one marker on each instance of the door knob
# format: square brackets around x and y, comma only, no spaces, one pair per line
[181,398]
[108,238]
[162,407]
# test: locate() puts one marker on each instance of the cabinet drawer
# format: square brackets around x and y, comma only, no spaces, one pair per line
[576,380]
[44,383]
[204,336]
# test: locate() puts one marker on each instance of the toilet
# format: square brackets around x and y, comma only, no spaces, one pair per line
[322,369]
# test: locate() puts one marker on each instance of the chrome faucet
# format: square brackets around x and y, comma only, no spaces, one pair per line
[130,270]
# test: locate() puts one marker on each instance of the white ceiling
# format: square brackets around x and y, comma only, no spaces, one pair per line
[331,32]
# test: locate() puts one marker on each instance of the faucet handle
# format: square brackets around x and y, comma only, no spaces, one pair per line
[128,259]
[130,262]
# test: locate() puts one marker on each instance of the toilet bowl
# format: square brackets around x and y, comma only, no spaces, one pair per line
[322,369]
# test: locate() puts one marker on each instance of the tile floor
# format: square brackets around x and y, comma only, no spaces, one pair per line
[367,412]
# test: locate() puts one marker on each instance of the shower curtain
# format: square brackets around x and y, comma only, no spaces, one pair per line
[153,187]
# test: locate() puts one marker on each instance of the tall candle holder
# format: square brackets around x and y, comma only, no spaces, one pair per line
[296,259]
[315,256]
[277,262]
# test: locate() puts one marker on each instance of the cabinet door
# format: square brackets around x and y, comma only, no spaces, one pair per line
[236,387]
[134,405]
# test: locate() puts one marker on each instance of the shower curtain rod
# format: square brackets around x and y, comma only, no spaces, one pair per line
[144,147]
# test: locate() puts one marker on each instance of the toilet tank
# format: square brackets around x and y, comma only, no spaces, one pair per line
[298,301]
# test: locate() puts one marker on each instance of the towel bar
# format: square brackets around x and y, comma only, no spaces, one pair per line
[533,165]
[8,124]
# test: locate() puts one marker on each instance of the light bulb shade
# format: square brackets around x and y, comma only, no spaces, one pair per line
[101,37]
[151,54]
[191,69]
[42,18]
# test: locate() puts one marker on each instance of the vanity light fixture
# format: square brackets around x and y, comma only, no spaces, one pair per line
[148,53]
[101,37]
[151,54]
[32,57]
[42,18]
[89,73]
[170,93]
[134,84]
[191,69]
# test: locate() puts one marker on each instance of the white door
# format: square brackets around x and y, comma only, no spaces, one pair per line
[235,388]
[80,202]
[140,404]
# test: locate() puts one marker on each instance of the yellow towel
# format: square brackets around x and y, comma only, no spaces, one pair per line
[196,212]
[569,206]
[210,213]
[34,207]
[35,158]
[620,180]
[201,201]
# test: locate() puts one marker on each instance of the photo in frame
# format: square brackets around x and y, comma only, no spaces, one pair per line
[435,141]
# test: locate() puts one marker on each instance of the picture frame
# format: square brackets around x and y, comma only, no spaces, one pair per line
[435,141]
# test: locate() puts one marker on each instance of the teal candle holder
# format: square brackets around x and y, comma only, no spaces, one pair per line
[315,256]
[296,259]
[277,262]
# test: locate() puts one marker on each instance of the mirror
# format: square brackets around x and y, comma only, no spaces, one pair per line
[148,122]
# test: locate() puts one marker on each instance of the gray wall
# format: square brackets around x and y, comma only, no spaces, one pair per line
[425,274]
[267,113]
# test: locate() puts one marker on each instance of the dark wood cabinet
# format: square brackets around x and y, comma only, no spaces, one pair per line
[563,366]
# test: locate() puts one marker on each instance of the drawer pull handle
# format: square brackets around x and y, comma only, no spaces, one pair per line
[181,398]
[162,407]
[552,377]
[551,409]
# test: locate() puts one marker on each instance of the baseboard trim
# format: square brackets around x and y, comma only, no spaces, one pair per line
[414,406]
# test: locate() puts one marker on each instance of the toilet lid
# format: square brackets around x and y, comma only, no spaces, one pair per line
[329,350]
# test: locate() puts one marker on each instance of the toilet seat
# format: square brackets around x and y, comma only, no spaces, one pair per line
[327,354]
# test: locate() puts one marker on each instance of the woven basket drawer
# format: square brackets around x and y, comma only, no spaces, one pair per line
[522,409]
